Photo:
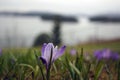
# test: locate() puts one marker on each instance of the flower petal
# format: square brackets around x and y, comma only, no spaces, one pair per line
[98,54]
[43,60]
[43,48]
[47,51]
[60,52]
[106,54]
[55,51]
[73,51]
[115,56]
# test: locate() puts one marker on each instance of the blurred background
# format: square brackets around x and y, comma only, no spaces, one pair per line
[28,23]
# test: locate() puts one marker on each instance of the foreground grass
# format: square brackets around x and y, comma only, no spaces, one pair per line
[21,64]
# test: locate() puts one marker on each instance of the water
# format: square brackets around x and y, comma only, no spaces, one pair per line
[22,31]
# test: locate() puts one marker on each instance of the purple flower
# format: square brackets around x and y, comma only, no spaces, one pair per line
[73,51]
[46,53]
[98,54]
[102,54]
[115,56]
[106,53]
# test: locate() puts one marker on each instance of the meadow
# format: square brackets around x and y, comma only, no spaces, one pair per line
[80,62]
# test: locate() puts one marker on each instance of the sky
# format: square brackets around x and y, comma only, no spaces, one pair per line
[62,6]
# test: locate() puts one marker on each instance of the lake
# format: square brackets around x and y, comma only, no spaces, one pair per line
[22,31]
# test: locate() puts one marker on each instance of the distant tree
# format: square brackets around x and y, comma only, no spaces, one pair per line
[42,38]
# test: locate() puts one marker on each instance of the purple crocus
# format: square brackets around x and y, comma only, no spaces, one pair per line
[106,54]
[46,53]
[115,56]
[73,51]
[98,54]
[103,54]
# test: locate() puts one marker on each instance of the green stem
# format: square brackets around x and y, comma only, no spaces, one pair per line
[49,66]
[39,64]
[55,68]
[108,72]
[118,70]
[13,66]
[42,72]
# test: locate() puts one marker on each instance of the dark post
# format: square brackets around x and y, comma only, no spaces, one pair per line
[56,31]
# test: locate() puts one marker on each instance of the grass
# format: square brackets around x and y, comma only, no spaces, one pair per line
[21,64]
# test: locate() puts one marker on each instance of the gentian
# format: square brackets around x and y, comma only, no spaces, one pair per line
[48,50]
